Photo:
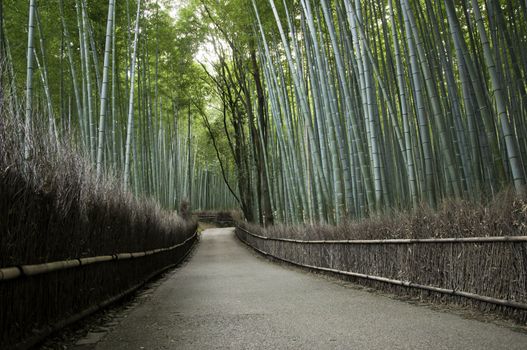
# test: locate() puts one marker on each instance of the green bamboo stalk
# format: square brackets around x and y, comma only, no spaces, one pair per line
[104,87]
[29,77]
[130,124]
[513,156]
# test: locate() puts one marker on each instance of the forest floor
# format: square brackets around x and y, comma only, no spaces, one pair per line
[228,297]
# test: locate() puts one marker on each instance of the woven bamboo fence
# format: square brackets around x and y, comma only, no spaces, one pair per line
[39,299]
[489,273]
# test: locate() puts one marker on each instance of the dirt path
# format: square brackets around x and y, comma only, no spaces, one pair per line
[226,297]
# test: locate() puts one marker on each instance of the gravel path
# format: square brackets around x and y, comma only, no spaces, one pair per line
[226,297]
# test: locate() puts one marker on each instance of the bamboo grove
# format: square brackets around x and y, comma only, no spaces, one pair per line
[381,105]
[102,77]
[306,110]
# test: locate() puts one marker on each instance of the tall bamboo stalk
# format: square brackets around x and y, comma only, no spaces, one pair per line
[29,75]
[104,87]
[130,125]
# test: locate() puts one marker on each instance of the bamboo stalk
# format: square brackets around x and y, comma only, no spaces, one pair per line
[104,87]
[130,125]
[29,76]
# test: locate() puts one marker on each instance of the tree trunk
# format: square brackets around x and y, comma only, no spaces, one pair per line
[130,127]
[29,76]
[104,87]
[261,144]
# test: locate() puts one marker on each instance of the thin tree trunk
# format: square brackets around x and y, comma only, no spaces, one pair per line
[513,156]
[130,124]
[104,88]
[29,77]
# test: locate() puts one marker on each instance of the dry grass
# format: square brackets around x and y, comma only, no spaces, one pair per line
[505,215]
[53,208]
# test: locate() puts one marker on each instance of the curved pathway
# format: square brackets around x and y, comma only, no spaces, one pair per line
[226,297]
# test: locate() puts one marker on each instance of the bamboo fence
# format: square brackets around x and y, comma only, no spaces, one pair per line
[488,270]
[10,273]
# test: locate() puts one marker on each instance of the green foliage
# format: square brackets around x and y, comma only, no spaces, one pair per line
[167,82]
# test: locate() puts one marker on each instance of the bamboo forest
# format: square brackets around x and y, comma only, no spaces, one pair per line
[125,122]
[293,111]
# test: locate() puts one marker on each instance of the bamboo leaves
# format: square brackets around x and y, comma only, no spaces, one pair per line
[87,63]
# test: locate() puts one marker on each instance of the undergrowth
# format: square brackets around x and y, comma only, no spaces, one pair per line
[52,206]
[505,215]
